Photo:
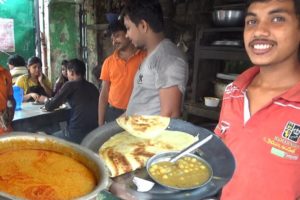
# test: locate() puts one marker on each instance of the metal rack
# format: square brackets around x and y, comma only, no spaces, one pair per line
[207,59]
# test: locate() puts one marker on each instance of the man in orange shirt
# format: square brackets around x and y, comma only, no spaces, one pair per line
[117,74]
[7,101]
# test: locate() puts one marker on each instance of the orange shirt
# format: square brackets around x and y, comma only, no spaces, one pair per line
[5,90]
[120,74]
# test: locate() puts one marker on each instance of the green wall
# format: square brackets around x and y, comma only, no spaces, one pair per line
[22,11]
[64,34]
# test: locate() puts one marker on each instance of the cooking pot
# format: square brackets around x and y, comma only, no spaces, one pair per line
[215,153]
[22,140]
[228,18]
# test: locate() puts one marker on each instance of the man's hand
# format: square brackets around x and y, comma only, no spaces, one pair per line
[42,99]
[35,96]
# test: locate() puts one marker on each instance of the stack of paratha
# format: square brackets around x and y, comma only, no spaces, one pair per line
[125,152]
[144,126]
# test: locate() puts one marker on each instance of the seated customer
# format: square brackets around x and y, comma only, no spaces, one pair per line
[62,79]
[35,84]
[17,66]
[82,96]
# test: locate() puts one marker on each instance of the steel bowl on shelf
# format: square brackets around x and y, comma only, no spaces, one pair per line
[228,18]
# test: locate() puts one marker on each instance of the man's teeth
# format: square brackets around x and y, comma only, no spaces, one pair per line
[262,46]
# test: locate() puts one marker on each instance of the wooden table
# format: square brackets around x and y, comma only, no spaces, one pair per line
[33,119]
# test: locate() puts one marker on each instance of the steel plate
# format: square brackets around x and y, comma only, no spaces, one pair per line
[214,152]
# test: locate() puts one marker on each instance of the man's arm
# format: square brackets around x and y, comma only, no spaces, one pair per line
[170,101]
[59,98]
[103,101]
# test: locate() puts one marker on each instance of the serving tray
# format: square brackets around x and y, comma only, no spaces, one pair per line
[214,152]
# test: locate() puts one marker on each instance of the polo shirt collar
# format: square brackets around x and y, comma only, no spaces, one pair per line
[293,94]
[242,82]
[116,54]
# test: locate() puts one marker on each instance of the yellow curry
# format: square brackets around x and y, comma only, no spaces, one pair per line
[187,172]
[44,175]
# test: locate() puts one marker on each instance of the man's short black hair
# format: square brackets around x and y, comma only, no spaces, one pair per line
[148,10]
[64,62]
[116,26]
[296,3]
[16,60]
[77,66]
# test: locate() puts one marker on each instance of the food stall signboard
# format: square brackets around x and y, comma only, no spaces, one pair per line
[7,37]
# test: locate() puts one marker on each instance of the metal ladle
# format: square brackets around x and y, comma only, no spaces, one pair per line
[190,148]
[144,185]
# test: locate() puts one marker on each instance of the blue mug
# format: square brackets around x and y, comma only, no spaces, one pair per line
[18,96]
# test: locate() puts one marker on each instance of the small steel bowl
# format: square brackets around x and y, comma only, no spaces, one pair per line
[228,18]
[166,156]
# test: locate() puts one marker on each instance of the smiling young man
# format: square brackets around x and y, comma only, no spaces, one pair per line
[260,116]
[117,75]
[160,82]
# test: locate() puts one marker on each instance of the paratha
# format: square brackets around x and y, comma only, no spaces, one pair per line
[144,126]
[124,152]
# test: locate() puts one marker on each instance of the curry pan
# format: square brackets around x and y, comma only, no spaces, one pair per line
[24,140]
[214,152]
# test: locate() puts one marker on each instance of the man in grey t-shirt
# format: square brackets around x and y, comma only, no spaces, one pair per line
[160,83]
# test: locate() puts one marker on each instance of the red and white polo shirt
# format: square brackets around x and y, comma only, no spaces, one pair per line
[266,145]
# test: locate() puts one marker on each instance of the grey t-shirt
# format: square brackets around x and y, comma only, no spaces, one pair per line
[164,67]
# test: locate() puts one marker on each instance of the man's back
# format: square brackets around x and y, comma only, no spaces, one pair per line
[83,99]
[84,103]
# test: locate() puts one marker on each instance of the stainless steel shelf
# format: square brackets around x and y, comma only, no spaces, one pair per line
[201,110]
[223,29]
[222,53]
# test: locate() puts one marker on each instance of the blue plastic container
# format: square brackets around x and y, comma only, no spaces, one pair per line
[18,96]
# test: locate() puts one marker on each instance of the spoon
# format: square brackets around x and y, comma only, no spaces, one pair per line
[144,185]
[190,148]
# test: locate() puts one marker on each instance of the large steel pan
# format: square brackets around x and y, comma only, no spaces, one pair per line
[214,152]
[23,140]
